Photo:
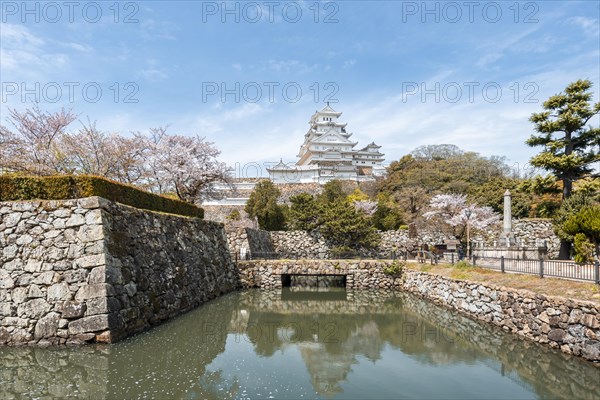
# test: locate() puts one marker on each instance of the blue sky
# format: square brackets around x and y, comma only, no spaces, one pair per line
[248,75]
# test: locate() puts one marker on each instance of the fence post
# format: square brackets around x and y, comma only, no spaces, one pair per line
[502,264]
[597,272]
[541,267]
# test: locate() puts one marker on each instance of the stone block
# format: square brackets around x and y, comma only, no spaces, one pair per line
[33,309]
[93,217]
[5,309]
[557,335]
[33,266]
[35,292]
[19,295]
[14,265]
[90,233]
[591,321]
[93,323]
[24,240]
[97,275]
[91,261]
[47,326]
[93,291]
[73,309]
[52,234]
[75,220]
[89,202]
[6,281]
[130,289]
[9,252]
[4,336]
[45,278]
[59,291]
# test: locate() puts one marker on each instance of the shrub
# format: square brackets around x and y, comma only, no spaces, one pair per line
[341,252]
[395,268]
[263,206]
[462,264]
[64,187]
[584,249]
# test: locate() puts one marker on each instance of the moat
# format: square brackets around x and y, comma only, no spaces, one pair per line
[295,343]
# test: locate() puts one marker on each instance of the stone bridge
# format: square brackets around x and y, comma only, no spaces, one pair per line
[271,274]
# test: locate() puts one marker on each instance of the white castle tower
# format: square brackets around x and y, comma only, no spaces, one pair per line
[328,153]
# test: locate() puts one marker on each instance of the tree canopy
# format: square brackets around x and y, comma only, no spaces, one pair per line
[263,206]
[570,144]
[41,143]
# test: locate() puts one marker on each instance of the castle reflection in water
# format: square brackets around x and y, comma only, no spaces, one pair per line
[292,343]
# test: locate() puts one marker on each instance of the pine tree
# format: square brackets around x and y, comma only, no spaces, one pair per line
[304,213]
[570,145]
[263,206]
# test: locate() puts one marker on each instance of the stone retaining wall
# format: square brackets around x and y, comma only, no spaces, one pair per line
[569,325]
[535,232]
[241,241]
[312,245]
[89,270]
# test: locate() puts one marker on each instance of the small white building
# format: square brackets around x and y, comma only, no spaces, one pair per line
[328,153]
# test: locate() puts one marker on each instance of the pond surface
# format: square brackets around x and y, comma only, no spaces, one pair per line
[302,344]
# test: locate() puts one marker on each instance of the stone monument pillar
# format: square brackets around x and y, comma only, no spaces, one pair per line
[507,226]
[507,238]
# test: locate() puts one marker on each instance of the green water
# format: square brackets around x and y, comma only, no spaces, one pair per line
[289,344]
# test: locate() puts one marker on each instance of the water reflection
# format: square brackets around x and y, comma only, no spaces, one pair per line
[286,344]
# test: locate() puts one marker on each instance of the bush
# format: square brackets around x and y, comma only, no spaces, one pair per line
[341,252]
[584,249]
[344,226]
[263,206]
[462,264]
[64,187]
[395,268]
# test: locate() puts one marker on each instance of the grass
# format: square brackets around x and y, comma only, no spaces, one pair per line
[546,286]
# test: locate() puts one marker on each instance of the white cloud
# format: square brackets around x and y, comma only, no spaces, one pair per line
[591,26]
[26,55]
[349,63]
[291,65]
[84,48]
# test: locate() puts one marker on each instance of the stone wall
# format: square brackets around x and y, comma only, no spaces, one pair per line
[537,232]
[301,244]
[312,245]
[241,241]
[92,270]
[569,325]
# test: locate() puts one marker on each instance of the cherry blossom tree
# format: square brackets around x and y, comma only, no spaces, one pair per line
[184,165]
[110,155]
[453,211]
[34,145]
[368,207]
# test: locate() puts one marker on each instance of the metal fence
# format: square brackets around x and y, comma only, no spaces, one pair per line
[542,268]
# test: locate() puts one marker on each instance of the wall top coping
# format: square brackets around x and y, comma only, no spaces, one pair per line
[92,202]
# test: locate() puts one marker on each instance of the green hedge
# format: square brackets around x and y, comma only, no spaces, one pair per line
[63,187]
